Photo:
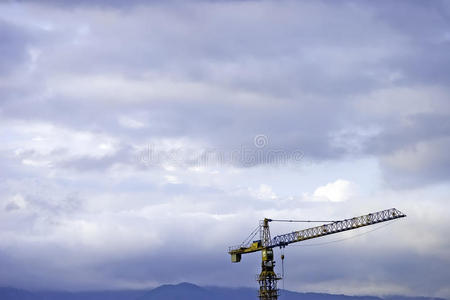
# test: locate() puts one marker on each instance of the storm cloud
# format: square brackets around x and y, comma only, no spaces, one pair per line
[140,140]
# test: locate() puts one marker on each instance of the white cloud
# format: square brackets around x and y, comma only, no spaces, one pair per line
[44,138]
[172,179]
[337,191]
[264,192]
[129,122]
[16,202]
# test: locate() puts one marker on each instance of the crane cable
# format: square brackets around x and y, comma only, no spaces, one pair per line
[304,221]
[319,244]
[251,235]
[348,238]
[282,266]
[256,230]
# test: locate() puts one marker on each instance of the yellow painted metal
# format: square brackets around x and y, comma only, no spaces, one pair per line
[254,247]
[268,278]
[314,232]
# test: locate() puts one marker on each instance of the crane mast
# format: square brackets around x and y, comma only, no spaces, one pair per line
[267,279]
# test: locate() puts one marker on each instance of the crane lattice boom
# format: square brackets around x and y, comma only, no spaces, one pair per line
[318,231]
[335,227]
[268,278]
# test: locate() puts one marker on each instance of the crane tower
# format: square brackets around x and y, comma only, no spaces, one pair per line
[267,279]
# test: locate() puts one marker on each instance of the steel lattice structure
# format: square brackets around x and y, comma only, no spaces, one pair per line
[335,227]
[267,279]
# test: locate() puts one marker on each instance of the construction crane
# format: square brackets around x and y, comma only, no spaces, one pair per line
[267,279]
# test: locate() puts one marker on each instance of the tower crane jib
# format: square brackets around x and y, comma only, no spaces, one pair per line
[267,279]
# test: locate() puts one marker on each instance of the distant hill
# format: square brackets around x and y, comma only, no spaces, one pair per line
[187,291]
[9,293]
[182,291]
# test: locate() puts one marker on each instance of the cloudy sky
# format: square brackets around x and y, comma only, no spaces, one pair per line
[140,139]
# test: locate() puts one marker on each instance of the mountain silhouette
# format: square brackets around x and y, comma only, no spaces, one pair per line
[181,291]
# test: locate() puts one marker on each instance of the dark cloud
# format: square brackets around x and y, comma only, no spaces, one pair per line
[124,155]
[13,47]
[107,80]
[335,265]
[87,3]
[292,79]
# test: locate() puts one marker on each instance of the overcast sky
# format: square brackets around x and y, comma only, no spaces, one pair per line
[140,139]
